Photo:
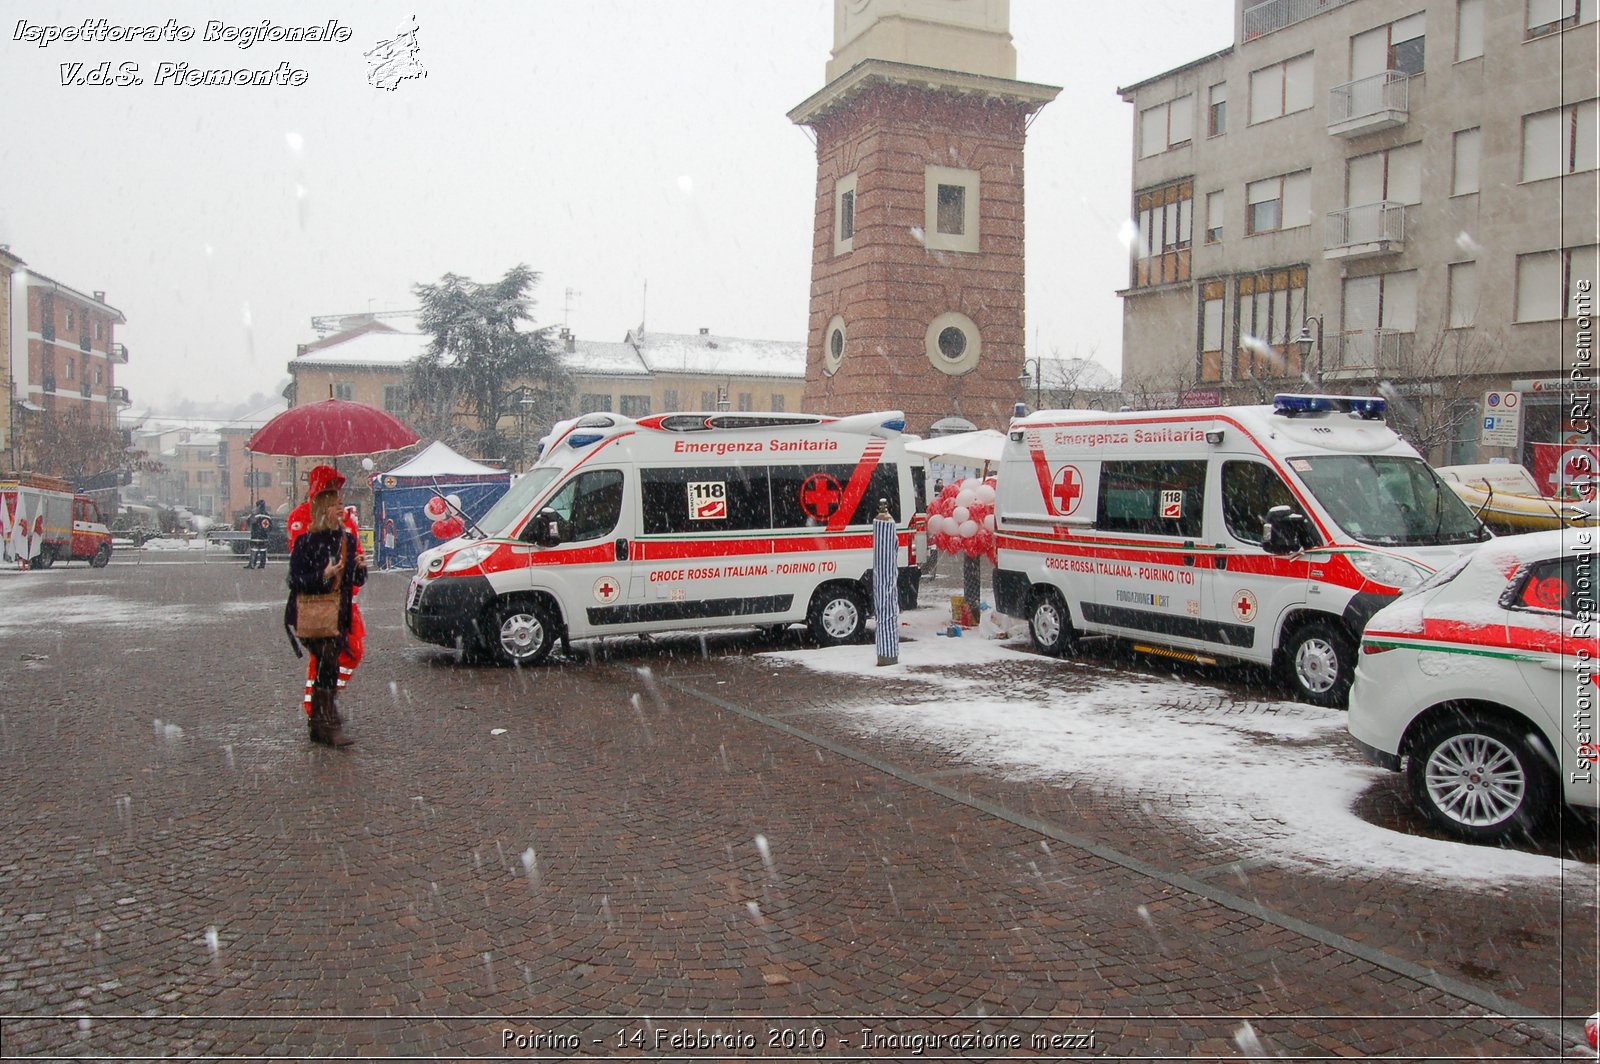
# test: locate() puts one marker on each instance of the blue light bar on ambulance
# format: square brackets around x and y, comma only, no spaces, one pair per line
[584,439]
[897,424]
[1368,408]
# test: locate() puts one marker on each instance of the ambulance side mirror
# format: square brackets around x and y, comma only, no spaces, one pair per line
[1285,531]
[545,529]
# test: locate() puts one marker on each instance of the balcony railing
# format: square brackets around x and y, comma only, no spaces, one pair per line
[118,354]
[1371,353]
[1370,229]
[1276,14]
[119,396]
[1369,104]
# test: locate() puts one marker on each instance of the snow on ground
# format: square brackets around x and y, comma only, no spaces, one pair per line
[1280,781]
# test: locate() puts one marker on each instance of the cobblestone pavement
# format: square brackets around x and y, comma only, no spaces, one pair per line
[699,860]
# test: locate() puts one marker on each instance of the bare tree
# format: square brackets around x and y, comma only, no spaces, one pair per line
[1435,388]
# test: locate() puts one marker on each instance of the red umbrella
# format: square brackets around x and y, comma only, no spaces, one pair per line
[331,428]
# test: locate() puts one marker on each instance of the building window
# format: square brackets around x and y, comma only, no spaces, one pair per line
[777,403]
[344,390]
[747,401]
[1464,167]
[833,344]
[1379,317]
[1281,89]
[1552,16]
[1166,126]
[594,403]
[1393,176]
[394,399]
[1463,295]
[1268,311]
[1278,203]
[1214,217]
[844,205]
[97,377]
[635,406]
[1212,294]
[1560,142]
[1166,230]
[1398,46]
[953,344]
[1553,284]
[950,215]
[669,399]
[1217,110]
[1469,29]
[708,400]
[97,329]
[71,321]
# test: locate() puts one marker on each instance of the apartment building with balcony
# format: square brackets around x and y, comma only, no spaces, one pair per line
[1360,195]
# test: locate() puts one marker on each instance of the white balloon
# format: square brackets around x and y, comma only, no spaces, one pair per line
[985,493]
[988,522]
[951,526]
[960,513]
[454,501]
[366,463]
[968,529]
[966,498]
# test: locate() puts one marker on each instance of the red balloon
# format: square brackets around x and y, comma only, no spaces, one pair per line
[449,528]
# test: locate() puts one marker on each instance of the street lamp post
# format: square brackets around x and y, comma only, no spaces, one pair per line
[1305,340]
[1037,378]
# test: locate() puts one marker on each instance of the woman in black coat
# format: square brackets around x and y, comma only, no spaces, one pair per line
[325,557]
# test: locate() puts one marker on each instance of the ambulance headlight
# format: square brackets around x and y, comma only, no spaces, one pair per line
[1384,569]
[469,557]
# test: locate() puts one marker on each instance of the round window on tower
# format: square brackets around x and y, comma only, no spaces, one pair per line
[833,341]
[954,344]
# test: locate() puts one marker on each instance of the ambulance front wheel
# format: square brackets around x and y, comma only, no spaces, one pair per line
[1319,662]
[522,634]
[838,615]
[1048,622]
[102,556]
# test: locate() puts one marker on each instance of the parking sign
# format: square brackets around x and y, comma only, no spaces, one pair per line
[1502,419]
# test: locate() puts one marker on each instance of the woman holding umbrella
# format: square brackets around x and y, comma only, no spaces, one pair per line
[325,556]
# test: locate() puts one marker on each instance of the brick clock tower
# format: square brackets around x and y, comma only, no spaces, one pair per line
[917,257]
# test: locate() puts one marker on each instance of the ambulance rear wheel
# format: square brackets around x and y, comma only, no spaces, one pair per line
[45,558]
[838,615]
[522,633]
[1049,624]
[102,557]
[1319,662]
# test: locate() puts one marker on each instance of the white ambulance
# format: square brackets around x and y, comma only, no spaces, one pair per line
[683,520]
[1267,534]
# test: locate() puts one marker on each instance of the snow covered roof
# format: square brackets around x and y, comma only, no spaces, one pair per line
[1081,373]
[637,355]
[438,460]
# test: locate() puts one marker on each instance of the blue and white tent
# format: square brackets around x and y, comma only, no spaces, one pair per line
[402,525]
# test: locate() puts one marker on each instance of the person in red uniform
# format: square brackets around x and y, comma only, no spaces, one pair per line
[321,479]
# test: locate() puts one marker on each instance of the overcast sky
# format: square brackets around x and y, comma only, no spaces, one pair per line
[606,143]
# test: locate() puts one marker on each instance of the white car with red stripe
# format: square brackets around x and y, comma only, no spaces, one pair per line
[1481,686]
[1266,534]
[677,521]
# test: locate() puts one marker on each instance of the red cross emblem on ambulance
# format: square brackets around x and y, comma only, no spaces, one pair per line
[1067,490]
[1244,606]
[820,496]
[606,589]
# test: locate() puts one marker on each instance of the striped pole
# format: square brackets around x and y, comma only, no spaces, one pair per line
[886,584]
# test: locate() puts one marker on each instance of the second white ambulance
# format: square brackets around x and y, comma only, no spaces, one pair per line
[676,521]
[1267,534]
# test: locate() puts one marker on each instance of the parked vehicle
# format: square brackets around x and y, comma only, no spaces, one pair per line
[43,521]
[1267,534]
[684,520]
[277,536]
[1480,686]
[1506,498]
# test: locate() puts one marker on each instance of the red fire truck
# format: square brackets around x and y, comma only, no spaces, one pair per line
[42,522]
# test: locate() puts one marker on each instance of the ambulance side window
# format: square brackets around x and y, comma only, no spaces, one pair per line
[810,496]
[589,504]
[1249,490]
[705,499]
[1152,498]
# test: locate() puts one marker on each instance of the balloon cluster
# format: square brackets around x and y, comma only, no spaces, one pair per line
[445,513]
[961,519]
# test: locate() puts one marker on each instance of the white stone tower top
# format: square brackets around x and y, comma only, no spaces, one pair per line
[970,36]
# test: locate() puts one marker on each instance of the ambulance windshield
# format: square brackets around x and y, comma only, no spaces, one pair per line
[1389,500]
[523,491]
